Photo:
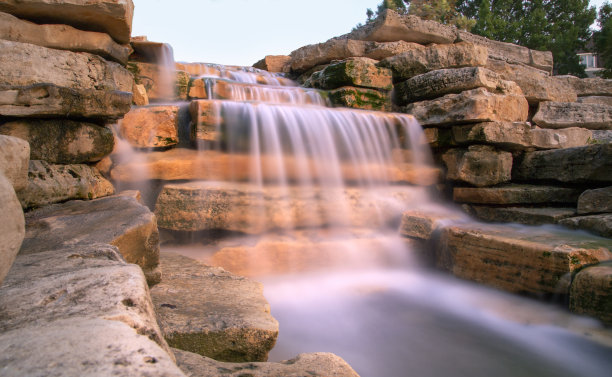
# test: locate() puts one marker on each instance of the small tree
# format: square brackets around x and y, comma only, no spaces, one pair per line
[443,11]
[603,39]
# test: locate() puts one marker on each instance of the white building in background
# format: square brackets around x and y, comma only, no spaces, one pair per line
[591,63]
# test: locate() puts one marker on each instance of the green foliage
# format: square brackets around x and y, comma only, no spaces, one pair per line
[603,39]
[443,11]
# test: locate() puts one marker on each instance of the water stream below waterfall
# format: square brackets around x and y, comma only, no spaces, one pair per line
[317,197]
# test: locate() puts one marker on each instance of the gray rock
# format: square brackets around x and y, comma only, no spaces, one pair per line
[48,183]
[62,141]
[46,100]
[563,114]
[360,72]
[598,224]
[602,100]
[446,81]
[516,194]
[23,64]
[306,364]
[472,106]
[119,220]
[421,59]
[360,98]
[589,87]
[478,165]
[14,160]
[591,163]
[521,215]
[209,311]
[602,136]
[12,227]
[591,292]
[113,17]
[595,201]
[62,37]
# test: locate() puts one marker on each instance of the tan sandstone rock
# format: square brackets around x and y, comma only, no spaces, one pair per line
[151,126]
[595,201]
[273,63]
[599,224]
[360,72]
[564,114]
[591,292]
[62,141]
[472,106]
[360,98]
[601,100]
[479,165]
[12,228]
[589,87]
[113,17]
[62,37]
[516,194]
[209,311]
[120,220]
[14,160]
[161,83]
[140,96]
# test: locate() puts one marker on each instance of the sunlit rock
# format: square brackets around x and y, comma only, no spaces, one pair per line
[273,63]
[209,311]
[12,228]
[479,165]
[595,201]
[563,115]
[14,160]
[591,292]
[516,194]
[151,126]
[426,223]
[162,83]
[588,87]
[62,141]
[360,72]
[360,98]
[601,100]
[140,97]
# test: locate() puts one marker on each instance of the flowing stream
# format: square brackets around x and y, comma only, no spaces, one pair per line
[316,195]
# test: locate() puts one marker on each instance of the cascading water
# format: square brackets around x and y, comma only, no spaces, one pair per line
[316,195]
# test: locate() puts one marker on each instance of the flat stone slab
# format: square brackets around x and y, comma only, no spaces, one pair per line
[516,194]
[581,164]
[151,126]
[521,215]
[273,63]
[591,292]
[209,311]
[602,100]
[306,364]
[360,72]
[595,201]
[471,106]
[254,210]
[162,83]
[564,114]
[118,220]
[479,165]
[598,224]
[589,87]
[62,141]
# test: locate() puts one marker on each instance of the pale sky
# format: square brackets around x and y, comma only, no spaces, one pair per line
[240,32]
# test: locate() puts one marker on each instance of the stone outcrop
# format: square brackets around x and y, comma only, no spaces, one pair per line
[520,215]
[591,292]
[516,194]
[161,83]
[62,141]
[14,160]
[273,63]
[134,230]
[306,364]
[600,100]
[599,224]
[46,100]
[140,97]
[563,115]
[591,163]
[421,59]
[478,165]
[205,120]
[113,17]
[521,136]
[62,37]
[588,87]
[426,224]
[471,106]
[12,228]
[51,183]
[209,311]
[360,72]
[595,201]
[360,98]
[151,127]
[446,81]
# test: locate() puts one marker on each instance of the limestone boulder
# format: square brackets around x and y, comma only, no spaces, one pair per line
[12,228]
[471,106]
[151,126]
[438,83]
[360,98]
[161,83]
[211,312]
[589,87]
[421,59]
[62,37]
[25,64]
[305,364]
[206,120]
[601,100]
[425,224]
[51,183]
[595,201]
[62,141]
[120,220]
[520,215]
[599,224]
[509,52]
[151,52]
[51,101]
[516,194]
[140,97]
[273,63]
[391,26]
[591,292]
[479,165]
[592,163]
[113,17]
[521,136]
[564,114]
[14,160]
[537,85]
[360,72]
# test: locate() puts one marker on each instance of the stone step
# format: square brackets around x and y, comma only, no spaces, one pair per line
[188,164]
[209,311]
[251,209]
[513,258]
[250,75]
[305,364]
[593,116]
[591,292]
[521,215]
[599,224]
[516,194]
